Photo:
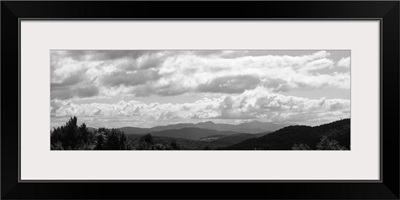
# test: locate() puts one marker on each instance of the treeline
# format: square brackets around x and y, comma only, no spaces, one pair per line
[73,137]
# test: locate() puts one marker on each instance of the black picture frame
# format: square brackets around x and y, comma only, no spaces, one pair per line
[386,11]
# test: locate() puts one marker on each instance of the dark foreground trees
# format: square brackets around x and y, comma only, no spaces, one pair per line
[112,139]
[74,137]
[147,142]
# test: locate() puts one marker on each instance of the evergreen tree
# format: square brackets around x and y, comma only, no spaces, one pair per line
[70,136]
[116,140]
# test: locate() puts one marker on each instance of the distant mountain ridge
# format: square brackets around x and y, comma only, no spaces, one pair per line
[252,127]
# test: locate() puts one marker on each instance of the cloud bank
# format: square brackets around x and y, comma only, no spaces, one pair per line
[252,104]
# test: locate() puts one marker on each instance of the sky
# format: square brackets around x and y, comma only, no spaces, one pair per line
[147,88]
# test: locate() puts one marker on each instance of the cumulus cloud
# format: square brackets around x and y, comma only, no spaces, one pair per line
[258,103]
[262,104]
[169,73]
[344,62]
[230,84]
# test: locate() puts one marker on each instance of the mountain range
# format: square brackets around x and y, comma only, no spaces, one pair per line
[252,127]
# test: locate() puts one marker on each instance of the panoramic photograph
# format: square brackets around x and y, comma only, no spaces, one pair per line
[200,100]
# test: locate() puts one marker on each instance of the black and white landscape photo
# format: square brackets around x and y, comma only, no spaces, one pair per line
[200,100]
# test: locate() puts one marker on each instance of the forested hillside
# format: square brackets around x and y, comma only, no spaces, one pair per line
[332,136]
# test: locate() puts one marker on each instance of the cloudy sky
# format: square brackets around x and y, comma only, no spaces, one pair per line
[116,88]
